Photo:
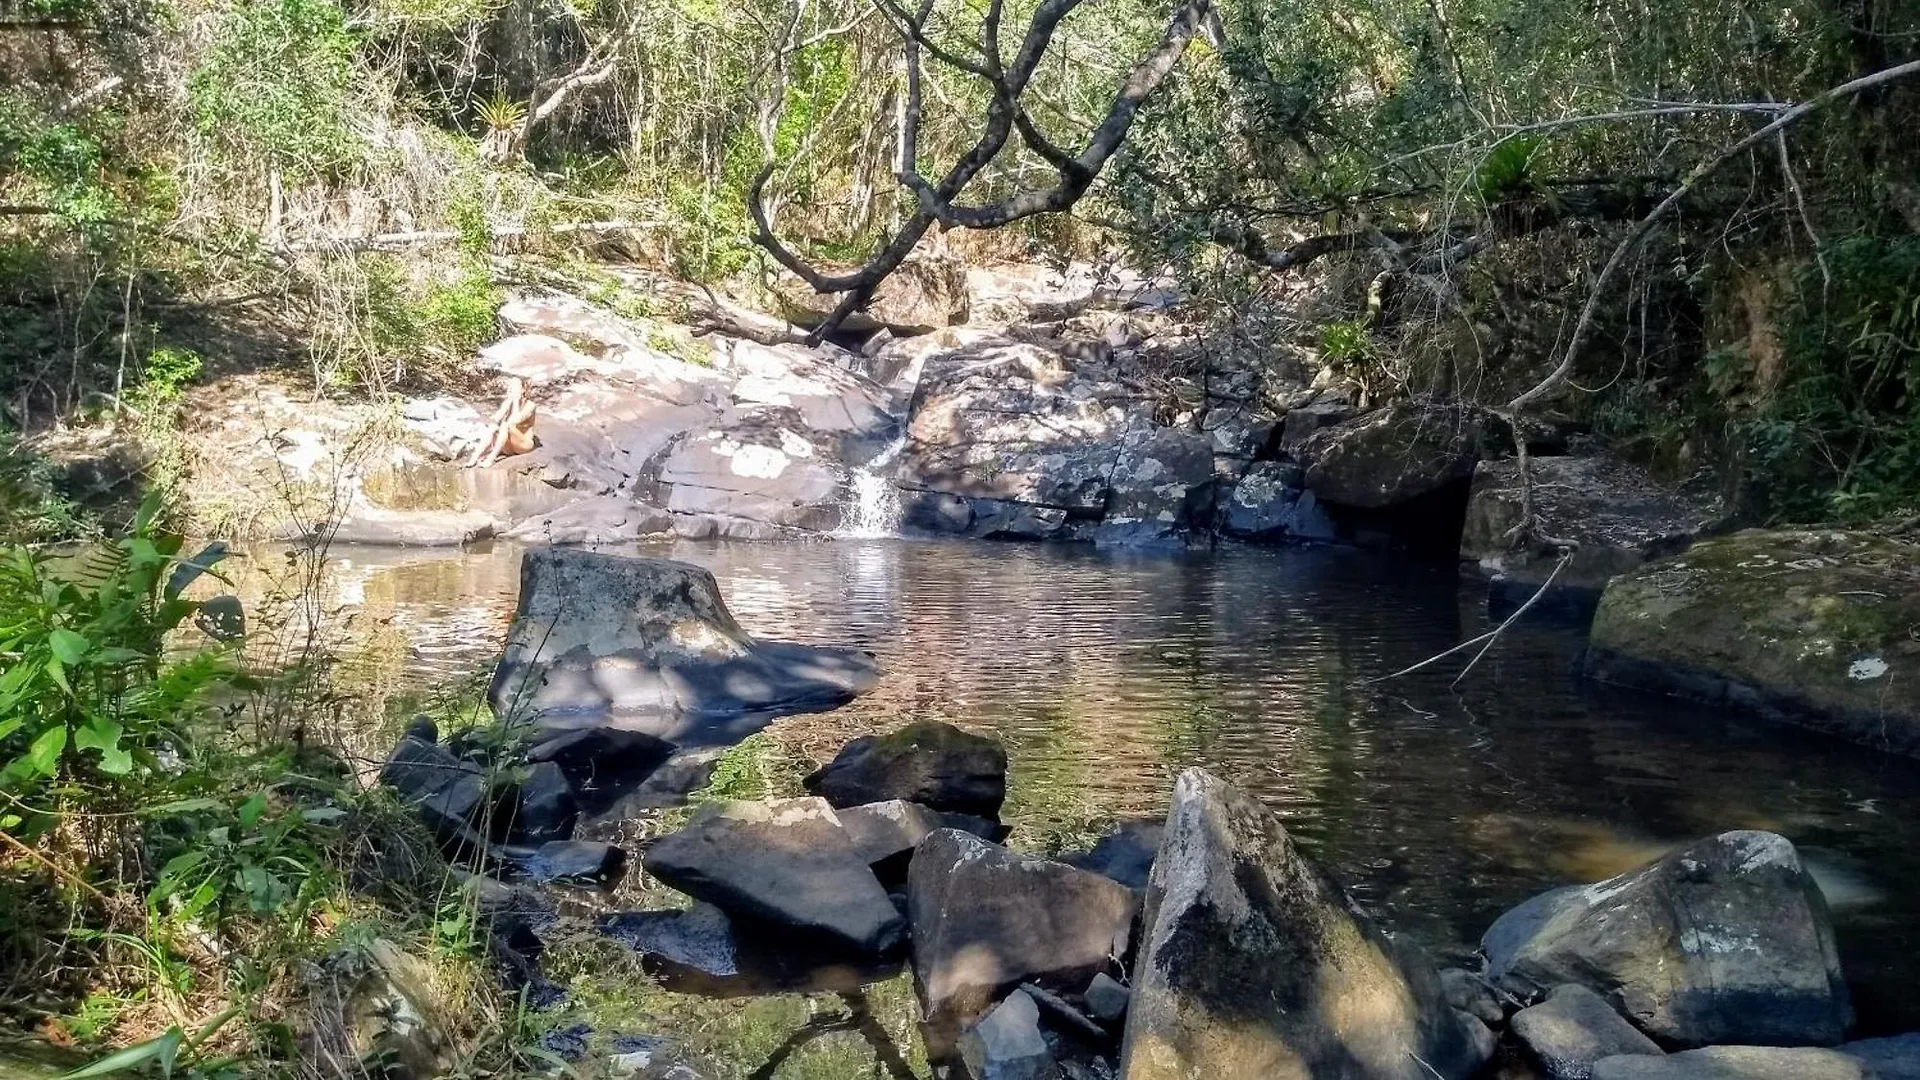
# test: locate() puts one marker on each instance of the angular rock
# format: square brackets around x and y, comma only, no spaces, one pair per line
[1574,1028]
[763,467]
[700,951]
[1237,432]
[1107,999]
[1162,485]
[648,645]
[1303,423]
[1252,963]
[1007,1044]
[1895,1057]
[1470,994]
[1728,941]
[1013,422]
[544,808]
[998,519]
[575,861]
[1736,1063]
[986,919]
[928,762]
[885,831]
[783,861]
[1394,454]
[1125,854]
[1807,627]
[1268,503]
[1618,515]
[601,765]
[449,794]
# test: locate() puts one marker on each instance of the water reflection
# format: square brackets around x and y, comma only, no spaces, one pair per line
[1104,676]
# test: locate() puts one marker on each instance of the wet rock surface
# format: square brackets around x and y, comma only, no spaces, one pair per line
[1736,1063]
[1807,627]
[1727,941]
[647,644]
[1574,1028]
[1254,964]
[985,919]
[786,862]
[931,763]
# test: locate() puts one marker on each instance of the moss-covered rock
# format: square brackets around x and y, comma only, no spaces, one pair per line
[1821,628]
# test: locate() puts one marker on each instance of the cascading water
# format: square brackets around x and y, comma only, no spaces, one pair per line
[873,504]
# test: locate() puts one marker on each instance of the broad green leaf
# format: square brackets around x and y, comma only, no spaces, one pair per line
[58,673]
[183,806]
[251,810]
[44,755]
[8,727]
[68,646]
[159,1050]
[323,815]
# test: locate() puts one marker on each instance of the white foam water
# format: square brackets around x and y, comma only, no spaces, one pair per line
[873,505]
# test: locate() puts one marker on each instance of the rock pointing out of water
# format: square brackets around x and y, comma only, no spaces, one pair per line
[1727,941]
[931,763]
[648,644]
[1255,965]
[786,862]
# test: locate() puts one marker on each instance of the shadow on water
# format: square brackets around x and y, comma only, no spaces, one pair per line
[1438,807]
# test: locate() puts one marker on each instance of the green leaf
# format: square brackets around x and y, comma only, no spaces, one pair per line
[184,806]
[103,735]
[251,810]
[160,1050]
[44,755]
[68,646]
[58,673]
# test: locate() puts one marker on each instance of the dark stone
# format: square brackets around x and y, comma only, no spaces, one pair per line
[1007,1044]
[601,764]
[1107,999]
[986,919]
[577,861]
[1162,487]
[1728,941]
[648,645]
[1125,854]
[1267,504]
[1396,454]
[423,728]
[928,762]
[1253,963]
[1896,1057]
[785,861]
[936,511]
[998,519]
[449,794]
[1736,1063]
[1574,1028]
[886,833]
[1471,995]
[1303,423]
[545,808]
[700,950]
[567,1043]
[1063,1016]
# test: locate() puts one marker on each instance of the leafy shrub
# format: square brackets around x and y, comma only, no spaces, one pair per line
[276,83]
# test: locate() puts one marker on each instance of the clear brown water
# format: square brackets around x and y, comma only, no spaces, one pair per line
[1438,807]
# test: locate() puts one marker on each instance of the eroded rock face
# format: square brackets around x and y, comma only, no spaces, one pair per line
[931,763]
[1162,486]
[1394,454]
[1270,503]
[1617,514]
[1728,941]
[1254,964]
[786,862]
[986,919]
[1809,627]
[648,644]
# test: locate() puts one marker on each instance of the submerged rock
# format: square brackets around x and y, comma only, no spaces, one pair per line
[1574,1028]
[928,762]
[986,919]
[1809,627]
[648,644]
[1617,514]
[1394,454]
[1736,1063]
[1254,964]
[783,861]
[601,764]
[1727,941]
[1007,1044]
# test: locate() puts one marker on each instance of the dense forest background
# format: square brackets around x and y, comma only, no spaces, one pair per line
[1420,193]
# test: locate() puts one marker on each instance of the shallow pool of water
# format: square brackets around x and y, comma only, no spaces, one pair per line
[1438,806]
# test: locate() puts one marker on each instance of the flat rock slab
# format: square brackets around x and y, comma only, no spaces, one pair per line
[1727,941]
[1808,627]
[699,950]
[886,830]
[648,644]
[783,861]
[1007,1043]
[934,764]
[986,919]
[1574,1028]
[1737,1063]
[1253,963]
[1896,1057]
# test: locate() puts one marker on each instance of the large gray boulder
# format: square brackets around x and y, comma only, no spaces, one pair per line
[764,466]
[1392,455]
[1162,486]
[928,762]
[1253,963]
[1620,517]
[1014,422]
[1737,1063]
[1269,503]
[1809,627]
[985,919]
[786,862]
[1574,1028]
[1728,941]
[648,644]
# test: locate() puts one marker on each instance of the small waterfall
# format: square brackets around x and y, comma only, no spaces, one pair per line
[873,506]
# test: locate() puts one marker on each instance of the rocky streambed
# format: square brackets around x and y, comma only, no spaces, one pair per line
[1205,943]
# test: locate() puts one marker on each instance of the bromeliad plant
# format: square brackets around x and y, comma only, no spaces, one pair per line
[90,700]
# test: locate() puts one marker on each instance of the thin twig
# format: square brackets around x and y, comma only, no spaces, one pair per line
[1511,619]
